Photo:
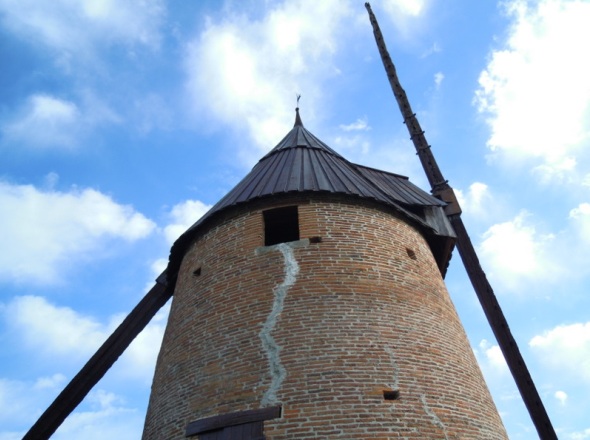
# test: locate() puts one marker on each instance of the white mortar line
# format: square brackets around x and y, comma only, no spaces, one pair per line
[395,384]
[434,418]
[271,348]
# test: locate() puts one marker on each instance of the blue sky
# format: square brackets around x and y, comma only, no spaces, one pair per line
[122,122]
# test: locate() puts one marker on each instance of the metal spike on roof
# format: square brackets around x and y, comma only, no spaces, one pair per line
[297,118]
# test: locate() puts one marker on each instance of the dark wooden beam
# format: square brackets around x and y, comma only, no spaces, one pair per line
[99,364]
[501,330]
[481,285]
[232,419]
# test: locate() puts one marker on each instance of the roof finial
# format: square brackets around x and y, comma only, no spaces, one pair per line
[297,117]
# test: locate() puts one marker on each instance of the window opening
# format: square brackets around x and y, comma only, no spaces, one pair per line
[281,225]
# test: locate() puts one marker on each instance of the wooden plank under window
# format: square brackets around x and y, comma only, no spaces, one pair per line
[242,425]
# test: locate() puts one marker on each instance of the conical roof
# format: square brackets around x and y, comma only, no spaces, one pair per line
[302,163]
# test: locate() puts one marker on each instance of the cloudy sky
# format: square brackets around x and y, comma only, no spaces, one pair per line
[121,122]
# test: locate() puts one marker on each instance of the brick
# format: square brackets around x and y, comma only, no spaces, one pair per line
[363,315]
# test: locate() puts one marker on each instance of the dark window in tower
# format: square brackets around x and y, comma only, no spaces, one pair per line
[281,225]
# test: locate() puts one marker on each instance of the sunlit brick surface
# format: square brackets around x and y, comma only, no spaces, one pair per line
[367,312]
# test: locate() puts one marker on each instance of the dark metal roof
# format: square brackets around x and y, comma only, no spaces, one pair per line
[399,187]
[303,163]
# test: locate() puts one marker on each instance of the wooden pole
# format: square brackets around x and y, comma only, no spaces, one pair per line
[481,285]
[99,364]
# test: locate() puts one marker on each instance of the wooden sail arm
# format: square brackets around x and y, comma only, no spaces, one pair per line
[501,330]
[481,285]
[433,173]
[99,364]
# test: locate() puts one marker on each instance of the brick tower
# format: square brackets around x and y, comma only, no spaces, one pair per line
[309,303]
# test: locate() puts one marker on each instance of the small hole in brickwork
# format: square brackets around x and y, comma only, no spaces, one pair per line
[411,253]
[197,272]
[390,394]
[315,239]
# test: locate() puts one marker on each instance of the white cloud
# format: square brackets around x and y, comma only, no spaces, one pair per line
[158,267]
[247,72]
[561,397]
[50,180]
[76,26]
[11,435]
[476,200]
[64,334]
[582,435]
[580,216]
[101,414]
[405,15]
[355,147]
[493,356]
[565,348]
[435,48]
[438,79]
[404,7]
[48,121]
[516,252]
[139,360]
[560,170]
[517,255]
[361,124]
[183,216]
[55,331]
[400,11]
[107,417]
[535,91]
[42,230]
[52,382]
[18,398]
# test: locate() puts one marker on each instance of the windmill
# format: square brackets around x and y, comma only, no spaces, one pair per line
[165,284]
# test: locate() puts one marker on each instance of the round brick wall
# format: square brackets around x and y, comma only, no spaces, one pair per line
[322,329]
